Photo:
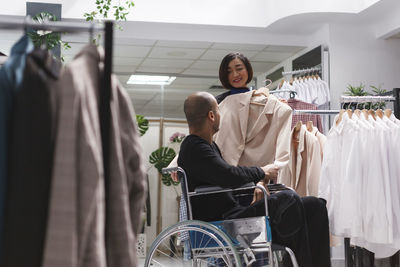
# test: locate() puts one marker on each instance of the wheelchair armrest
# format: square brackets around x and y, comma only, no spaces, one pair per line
[212,188]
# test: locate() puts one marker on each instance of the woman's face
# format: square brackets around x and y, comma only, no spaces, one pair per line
[237,73]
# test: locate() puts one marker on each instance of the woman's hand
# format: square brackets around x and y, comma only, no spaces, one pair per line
[258,193]
[271,172]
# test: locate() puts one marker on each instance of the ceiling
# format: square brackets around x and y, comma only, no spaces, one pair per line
[195,64]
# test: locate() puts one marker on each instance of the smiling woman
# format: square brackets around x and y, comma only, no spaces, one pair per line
[235,72]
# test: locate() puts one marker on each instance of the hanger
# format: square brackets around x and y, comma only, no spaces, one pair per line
[372,113]
[388,112]
[379,113]
[357,112]
[342,111]
[365,112]
[310,126]
[349,112]
[298,126]
[263,90]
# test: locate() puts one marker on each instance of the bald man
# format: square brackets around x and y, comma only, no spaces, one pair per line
[201,159]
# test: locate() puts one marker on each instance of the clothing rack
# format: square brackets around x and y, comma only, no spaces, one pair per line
[295,72]
[292,93]
[316,111]
[366,99]
[360,253]
[282,91]
[105,88]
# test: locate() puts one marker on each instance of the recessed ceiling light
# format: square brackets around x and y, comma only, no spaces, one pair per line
[149,79]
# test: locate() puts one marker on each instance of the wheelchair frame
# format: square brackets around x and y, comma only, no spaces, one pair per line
[226,248]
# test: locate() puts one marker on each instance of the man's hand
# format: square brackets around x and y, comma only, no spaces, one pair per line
[271,172]
[258,194]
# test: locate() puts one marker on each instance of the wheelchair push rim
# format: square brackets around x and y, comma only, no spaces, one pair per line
[207,246]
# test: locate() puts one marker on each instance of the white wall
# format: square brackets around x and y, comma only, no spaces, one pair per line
[169,209]
[356,56]
[258,13]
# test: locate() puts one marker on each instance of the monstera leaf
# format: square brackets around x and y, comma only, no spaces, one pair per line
[143,124]
[161,158]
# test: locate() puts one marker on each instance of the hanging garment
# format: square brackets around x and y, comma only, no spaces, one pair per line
[127,188]
[11,76]
[321,140]
[76,209]
[75,234]
[30,160]
[303,171]
[300,105]
[360,205]
[254,135]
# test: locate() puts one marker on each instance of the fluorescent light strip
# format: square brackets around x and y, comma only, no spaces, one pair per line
[149,79]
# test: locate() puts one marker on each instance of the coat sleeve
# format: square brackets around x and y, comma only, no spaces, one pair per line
[283,139]
[314,165]
[132,153]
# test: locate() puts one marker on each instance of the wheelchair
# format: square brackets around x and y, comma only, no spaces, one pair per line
[234,243]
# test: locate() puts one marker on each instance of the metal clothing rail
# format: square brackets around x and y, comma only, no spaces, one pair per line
[282,91]
[316,111]
[295,72]
[57,26]
[105,87]
[366,99]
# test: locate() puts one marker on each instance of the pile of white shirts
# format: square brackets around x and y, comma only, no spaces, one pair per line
[309,90]
[359,180]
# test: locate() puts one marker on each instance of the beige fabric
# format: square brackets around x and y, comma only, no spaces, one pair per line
[76,228]
[307,165]
[321,139]
[263,141]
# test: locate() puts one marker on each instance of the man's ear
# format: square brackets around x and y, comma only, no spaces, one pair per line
[211,115]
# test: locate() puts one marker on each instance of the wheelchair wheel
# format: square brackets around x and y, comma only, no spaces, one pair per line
[206,246]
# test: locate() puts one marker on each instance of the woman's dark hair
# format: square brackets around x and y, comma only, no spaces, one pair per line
[223,68]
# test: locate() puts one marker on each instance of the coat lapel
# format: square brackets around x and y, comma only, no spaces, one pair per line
[262,119]
[244,114]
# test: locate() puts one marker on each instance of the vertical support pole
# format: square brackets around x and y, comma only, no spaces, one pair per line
[159,195]
[161,142]
[396,94]
[348,253]
[105,100]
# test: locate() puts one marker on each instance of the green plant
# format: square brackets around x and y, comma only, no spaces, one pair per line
[119,10]
[47,38]
[359,91]
[161,158]
[143,124]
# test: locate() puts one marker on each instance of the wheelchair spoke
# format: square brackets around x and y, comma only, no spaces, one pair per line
[161,252]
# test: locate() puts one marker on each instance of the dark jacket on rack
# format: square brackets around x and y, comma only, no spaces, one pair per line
[11,75]
[30,153]
[75,235]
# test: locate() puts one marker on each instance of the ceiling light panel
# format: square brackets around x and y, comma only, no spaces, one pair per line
[201,72]
[154,70]
[148,79]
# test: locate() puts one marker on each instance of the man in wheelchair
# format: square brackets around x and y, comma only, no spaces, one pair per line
[298,223]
